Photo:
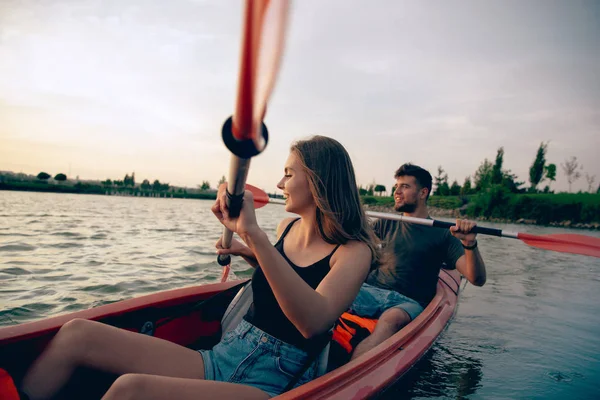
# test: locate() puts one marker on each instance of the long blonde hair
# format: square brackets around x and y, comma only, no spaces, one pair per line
[340,215]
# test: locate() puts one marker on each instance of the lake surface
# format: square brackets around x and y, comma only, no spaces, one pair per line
[532,332]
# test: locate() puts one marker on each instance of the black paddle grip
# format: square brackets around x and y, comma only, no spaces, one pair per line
[234,204]
[477,229]
[223,259]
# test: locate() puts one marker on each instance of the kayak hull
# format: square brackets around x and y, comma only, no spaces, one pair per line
[175,315]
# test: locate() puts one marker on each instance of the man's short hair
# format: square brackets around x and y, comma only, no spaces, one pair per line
[422,176]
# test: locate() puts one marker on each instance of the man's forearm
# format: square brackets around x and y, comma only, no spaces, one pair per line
[475,266]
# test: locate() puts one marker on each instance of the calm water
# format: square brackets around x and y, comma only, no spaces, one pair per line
[533,331]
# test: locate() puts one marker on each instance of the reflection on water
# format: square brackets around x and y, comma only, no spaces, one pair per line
[439,373]
[531,332]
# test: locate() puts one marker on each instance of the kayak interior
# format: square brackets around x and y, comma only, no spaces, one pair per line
[192,316]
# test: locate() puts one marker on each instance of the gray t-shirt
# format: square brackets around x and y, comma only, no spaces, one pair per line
[419,252]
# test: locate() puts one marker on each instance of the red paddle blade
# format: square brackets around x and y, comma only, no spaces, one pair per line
[262,47]
[261,198]
[564,243]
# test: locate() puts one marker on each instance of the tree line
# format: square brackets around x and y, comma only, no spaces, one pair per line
[490,174]
[129,181]
[486,176]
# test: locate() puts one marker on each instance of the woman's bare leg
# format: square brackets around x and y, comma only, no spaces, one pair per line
[92,344]
[151,387]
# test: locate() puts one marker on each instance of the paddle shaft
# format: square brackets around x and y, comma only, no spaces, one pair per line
[244,134]
[441,224]
[238,173]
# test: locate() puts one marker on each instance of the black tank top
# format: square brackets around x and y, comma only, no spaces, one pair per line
[265,313]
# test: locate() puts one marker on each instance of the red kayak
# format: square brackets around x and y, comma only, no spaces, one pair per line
[192,316]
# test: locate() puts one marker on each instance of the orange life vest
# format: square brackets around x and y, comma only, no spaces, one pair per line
[351,329]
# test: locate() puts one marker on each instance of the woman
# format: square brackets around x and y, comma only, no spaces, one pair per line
[302,285]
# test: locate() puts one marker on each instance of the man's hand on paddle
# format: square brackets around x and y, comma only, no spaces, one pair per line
[461,231]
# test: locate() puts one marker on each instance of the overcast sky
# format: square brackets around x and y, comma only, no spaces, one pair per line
[103,88]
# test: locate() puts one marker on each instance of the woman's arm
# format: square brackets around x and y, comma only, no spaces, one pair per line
[237,249]
[311,311]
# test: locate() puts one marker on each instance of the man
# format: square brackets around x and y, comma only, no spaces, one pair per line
[398,291]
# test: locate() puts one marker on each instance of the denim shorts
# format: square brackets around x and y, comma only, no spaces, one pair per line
[249,356]
[372,301]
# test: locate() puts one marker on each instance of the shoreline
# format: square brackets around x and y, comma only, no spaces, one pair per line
[195,194]
[436,212]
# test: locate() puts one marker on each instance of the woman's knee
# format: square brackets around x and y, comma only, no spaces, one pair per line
[73,337]
[75,330]
[126,387]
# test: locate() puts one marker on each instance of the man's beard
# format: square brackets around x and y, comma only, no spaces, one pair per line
[407,208]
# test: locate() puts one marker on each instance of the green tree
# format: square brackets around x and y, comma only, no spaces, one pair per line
[536,172]
[107,183]
[466,187]
[509,181]
[146,185]
[222,180]
[60,177]
[550,173]
[455,188]
[129,180]
[441,183]
[205,185]
[362,191]
[370,189]
[379,189]
[156,186]
[43,176]
[497,174]
[492,202]
[483,176]
[570,169]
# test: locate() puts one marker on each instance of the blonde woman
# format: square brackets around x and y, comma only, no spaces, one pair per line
[301,285]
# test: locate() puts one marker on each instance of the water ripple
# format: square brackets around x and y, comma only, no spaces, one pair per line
[15,271]
[66,234]
[66,245]
[17,247]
